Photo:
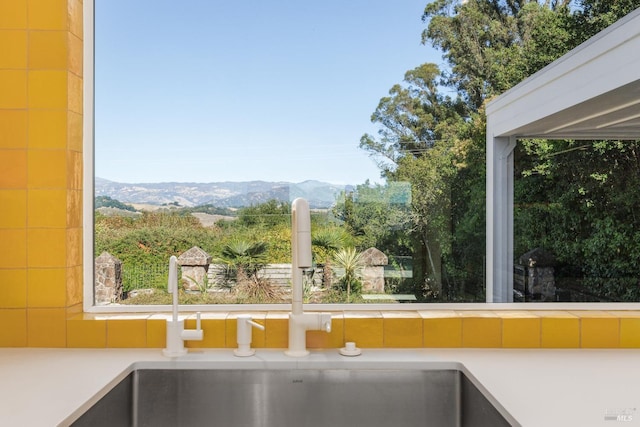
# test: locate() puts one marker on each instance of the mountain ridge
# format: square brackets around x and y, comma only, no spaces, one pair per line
[232,194]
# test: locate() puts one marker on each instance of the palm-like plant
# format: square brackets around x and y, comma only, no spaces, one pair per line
[243,256]
[325,244]
[349,265]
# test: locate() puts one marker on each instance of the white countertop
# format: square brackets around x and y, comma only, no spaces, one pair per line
[41,387]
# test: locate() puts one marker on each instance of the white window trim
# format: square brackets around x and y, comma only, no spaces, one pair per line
[507,118]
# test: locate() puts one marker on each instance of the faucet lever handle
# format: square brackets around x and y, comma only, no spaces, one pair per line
[255,324]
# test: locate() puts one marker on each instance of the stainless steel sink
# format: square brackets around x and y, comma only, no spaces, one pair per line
[296,397]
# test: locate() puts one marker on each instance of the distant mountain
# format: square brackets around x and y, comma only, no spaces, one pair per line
[320,195]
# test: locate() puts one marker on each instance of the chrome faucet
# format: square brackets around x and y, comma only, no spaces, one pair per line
[300,322]
[176,333]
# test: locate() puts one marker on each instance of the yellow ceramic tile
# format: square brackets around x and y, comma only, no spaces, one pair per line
[47,287]
[520,329]
[47,208]
[83,331]
[276,331]
[13,250]
[75,55]
[13,289]
[365,329]
[74,208]
[48,89]
[13,129]
[481,329]
[214,330]
[46,247]
[47,169]
[441,329]
[13,164]
[74,131]
[48,50]
[16,335]
[47,14]
[402,329]
[75,93]
[560,331]
[258,337]
[74,285]
[13,45]
[46,327]
[13,208]
[48,129]
[598,329]
[13,14]
[630,332]
[13,89]
[127,332]
[334,339]
[75,17]
[74,310]
[156,332]
[74,247]
[74,170]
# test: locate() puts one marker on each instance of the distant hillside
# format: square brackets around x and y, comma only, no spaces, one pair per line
[320,195]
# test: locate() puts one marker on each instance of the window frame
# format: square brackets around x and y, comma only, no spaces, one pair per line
[499,196]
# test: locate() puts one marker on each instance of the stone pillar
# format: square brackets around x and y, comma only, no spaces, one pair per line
[108,273]
[373,272]
[195,264]
[538,275]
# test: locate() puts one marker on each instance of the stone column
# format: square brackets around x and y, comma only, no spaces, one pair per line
[373,273]
[195,264]
[540,284]
[108,285]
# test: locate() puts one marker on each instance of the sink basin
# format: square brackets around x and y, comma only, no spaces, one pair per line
[296,397]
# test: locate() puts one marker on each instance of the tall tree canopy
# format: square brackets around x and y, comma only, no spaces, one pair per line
[436,141]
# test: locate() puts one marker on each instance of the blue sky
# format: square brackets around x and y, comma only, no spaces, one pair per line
[204,90]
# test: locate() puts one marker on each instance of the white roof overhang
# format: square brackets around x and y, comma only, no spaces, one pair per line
[593,92]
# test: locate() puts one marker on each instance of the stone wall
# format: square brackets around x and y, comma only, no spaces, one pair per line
[108,279]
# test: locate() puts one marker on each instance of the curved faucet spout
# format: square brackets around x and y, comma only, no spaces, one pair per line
[301,265]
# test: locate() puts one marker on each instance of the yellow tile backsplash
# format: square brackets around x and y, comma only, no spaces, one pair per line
[481,329]
[13,164]
[442,328]
[13,250]
[520,329]
[47,129]
[47,169]
[13,45]
[86,332]
[599,329]
[41,143]
[48,89]
[48,50]
[13,208]
[47,287]
[13,89]
[365,329]
[14,129]
[46,247]
[47,208]
[402,329]
[48,14]
[47,327]
[13,288]
[13,14]
[434,329]
[16,335]
[127,331]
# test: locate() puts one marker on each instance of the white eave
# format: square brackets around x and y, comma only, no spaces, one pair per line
[593,92]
